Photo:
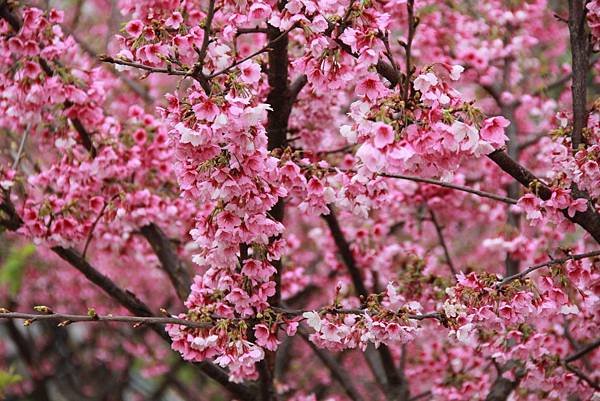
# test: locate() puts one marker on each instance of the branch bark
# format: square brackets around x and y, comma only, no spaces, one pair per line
[580,47]
[337,371]
[442,240]
[588,220]
[522,274]
[171,264]
[583,351]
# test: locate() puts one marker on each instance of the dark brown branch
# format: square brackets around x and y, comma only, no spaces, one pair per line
[123,297]
[494,93]
[207,31]
[6,13]
[580,354]
[346,253]
[343,149]
[9,217]
[69,318]
[85,137]
[412,25]
[171,264]
[277,126]
[583,351]
[580,59]
[243,31]
[93,227]
[137,307]
[279,93]
[168,70]
[337,371]
[267,48]
[582,376]
[501,389]
[531,141]
[440,235]
[420,396]
[296,87]
[588,220]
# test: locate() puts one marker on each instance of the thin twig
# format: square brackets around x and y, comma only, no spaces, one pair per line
[582,376]
[70,318]
[552,262]
[483,194]
[168,70]
[170,261]
[207,28]
[412,25]
[264,49]
[17,160]
[440,235]
[94,224]
[431,181]
[334,151]
[420,396]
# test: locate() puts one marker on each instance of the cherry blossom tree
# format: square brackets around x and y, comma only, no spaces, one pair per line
[300,200]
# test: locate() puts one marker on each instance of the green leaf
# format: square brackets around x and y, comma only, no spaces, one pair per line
[11,272]
[7,378]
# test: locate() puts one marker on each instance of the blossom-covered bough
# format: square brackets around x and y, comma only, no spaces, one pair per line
[341,200]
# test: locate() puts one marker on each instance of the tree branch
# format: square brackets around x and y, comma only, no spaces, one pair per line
[171,264]
[580,60]
[583,351]
[440,235]
[168,70]
[66,318]
[501,388]
[583,376]
[337,371]
[552,262]
[346,253]
[448,185]
[588,220]
[128,300]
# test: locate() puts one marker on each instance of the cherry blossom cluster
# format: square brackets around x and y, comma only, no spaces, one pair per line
[384,322]
[429,134]
[497,320]
[580,169]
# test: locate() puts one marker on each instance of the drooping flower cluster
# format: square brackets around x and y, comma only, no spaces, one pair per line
[430,133]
